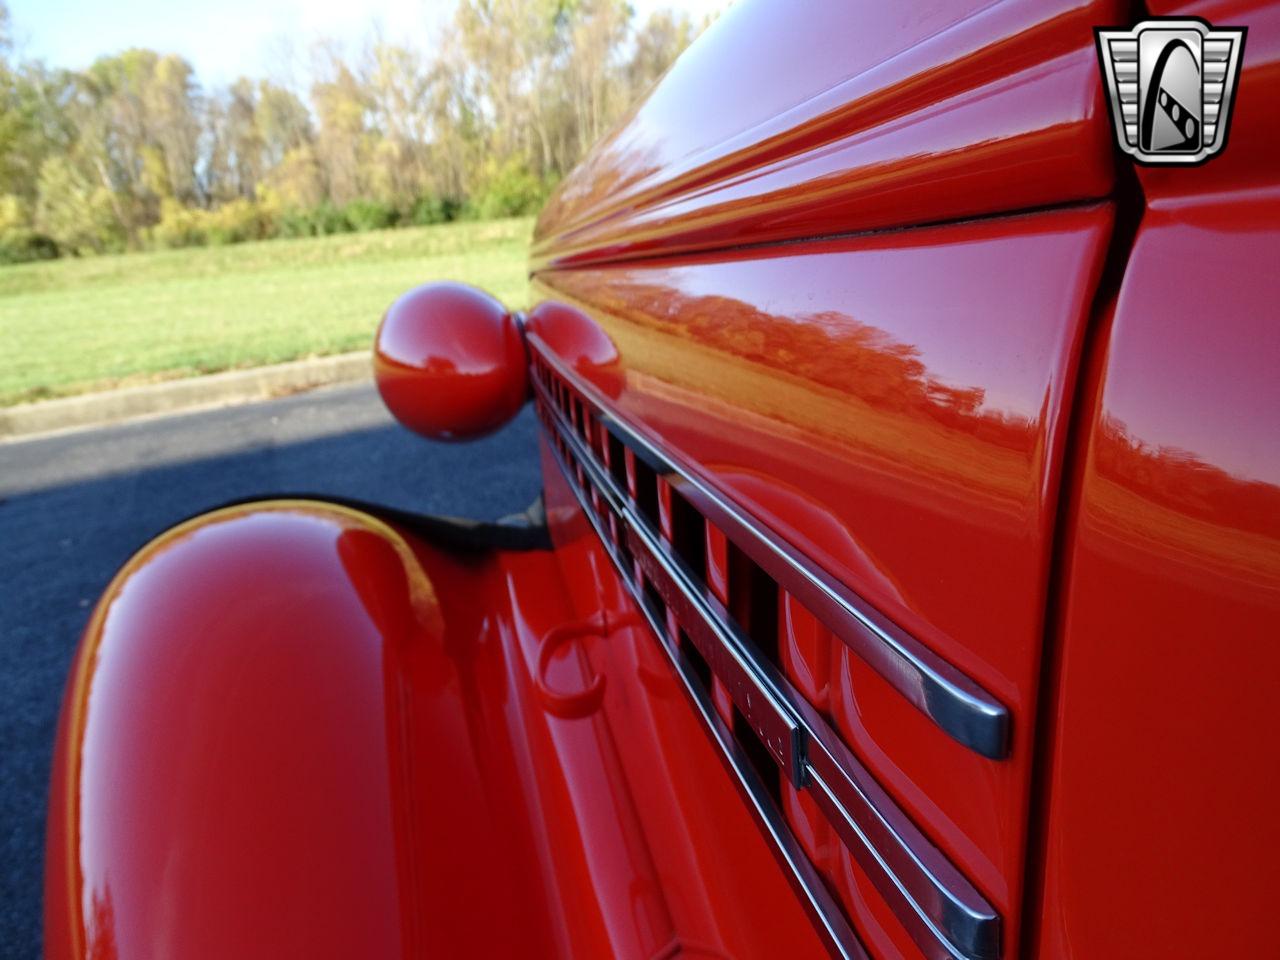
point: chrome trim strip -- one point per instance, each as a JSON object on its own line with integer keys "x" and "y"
{"x": 817, "y": 900}
{"x": 945, "y": 914}
{"x": 959, "y": 706}
{"x": 776, "y": 726}
{"x": 937, "y": 905}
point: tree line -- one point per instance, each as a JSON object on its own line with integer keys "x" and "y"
{"x": 132, "y": 153}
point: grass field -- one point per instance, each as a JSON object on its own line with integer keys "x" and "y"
{"x": 70, "y": 326}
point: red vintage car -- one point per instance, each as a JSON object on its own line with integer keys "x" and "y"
{"x": 906, "y": 581}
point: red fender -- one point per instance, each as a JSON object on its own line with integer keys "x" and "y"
{"x": 231, "y": 773}
{"x": 293, "y": 729}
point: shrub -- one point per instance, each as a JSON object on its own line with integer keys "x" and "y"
{"x": 234, "y": 222}
{"x": 18, "y": 242}
{"x": 178, "y": 226}
{"x": 322, "y": 220}
{"x": 327, "y": 218}
{"x": 507, "y": 191}
{"x": 370, "y": 214}
{"x": 430, "y": 210}
{"x": 23, "y": 245}
{"x": 237, "y": 221}
{"x": 294, "y": 222}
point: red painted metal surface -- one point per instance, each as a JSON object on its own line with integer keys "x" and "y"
{"x": 1160, "y": 836}
{"x": 655, "y": 715}
{"x": 851, "y": 116}
{"x": 449, "y": 362}
{"x": 894, "y": 406}
{"x": 295, "y": 731}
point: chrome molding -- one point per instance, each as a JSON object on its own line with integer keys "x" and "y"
{"x": 944, "y": 913}
{"x": 957, "y": 705}
{"x": 816, "y": 898}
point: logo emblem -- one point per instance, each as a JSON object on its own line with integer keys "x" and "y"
{"x": 1171, "y": 84}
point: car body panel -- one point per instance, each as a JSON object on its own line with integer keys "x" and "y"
{"x": 1164, "y": 771}
{"x": 866, "y": 276}
{"x": 893, "y": 406}
{"x": 370, "y": 758}
{"x": 788, "y": 120}
{"x": 1160, "y": 835}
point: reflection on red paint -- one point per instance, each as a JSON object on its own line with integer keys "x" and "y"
{"x": 854, "y": 115}
{"x": 354, "y": 760}
{"x": 893, "y": 405}
{"x": 100, "y": 926}
{"x": 449, "y": 362}
{"x": 1161, "y": 835}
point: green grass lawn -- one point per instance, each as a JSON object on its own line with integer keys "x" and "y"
{"x": 69, "y": 326}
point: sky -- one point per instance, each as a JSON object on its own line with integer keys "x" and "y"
{"x": 224, "y": 39}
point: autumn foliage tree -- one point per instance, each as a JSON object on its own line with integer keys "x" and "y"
{"x": 481, "y": 122}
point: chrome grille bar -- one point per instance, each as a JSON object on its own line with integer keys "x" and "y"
{"x": 946, "y": 916}
{"x": 808, "y": 884}
{"x": 957, "y": 705}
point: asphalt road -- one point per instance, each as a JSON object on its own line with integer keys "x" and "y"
{"x": 74, "y": 507}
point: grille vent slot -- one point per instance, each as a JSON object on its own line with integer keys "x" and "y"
{"x": 722, "y": 616}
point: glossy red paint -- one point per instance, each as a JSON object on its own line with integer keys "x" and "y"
{"x": 450, "y": 362}
{"x": 655, "y": 723}
{"x": 418, "y": 753}
{"x": 853, "y": 115}
{"x": 582, "y": 343}
{"x": 293, "y": 730}
{"x": 907, "y": 435}
{"x": 1161, "y": 834}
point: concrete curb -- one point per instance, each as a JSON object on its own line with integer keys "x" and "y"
{"x": 172, "y": 396}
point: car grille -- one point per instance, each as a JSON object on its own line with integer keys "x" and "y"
{"x": 717, "y": 591}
